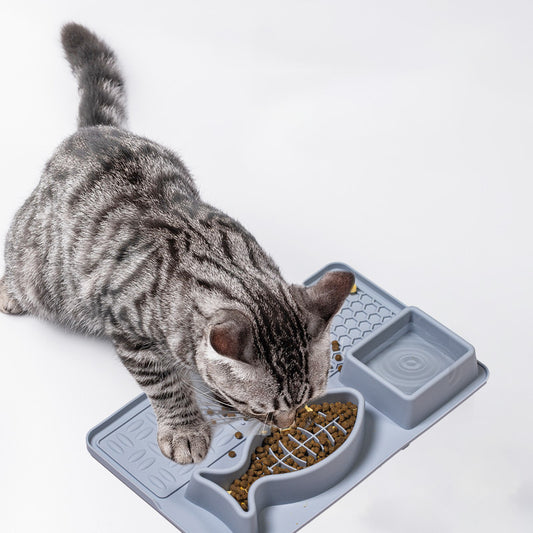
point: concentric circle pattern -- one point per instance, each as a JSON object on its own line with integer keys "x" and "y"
{"x": 409, "y": 362}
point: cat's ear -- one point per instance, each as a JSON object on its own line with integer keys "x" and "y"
{"x": 326, "y": 296}
{"x": 230, "y": 335}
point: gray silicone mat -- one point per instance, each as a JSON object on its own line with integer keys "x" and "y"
{"x": 126, "y": 444}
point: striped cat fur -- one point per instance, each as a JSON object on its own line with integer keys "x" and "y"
{"x": 115, "y": 241}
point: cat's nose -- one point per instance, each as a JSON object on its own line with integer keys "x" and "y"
{"x": 284, "y": 419}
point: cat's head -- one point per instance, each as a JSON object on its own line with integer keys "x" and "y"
{"x": 270, "y": 357}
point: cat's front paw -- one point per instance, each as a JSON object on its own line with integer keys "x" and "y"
{"x": 184, "y": 444}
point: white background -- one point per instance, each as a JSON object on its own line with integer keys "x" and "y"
{"x": 394, "y": 136}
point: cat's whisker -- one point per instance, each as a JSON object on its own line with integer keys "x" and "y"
{"x": 220, "y": 422}
{"x": 207, "y": 396}
{"x": 197, "y": 379}
{"x": 210, "y": 397}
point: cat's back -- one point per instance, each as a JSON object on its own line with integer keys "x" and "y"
{"x": 89, "y": 209}
{"x": 98, "y": 181}
{"x": 96, "y": 163}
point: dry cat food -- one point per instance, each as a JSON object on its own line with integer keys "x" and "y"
{"x": 335, "y": 346}
{"x": 317, "y": 432}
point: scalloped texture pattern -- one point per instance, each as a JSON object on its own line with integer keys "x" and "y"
{"x": 361, "y": 315}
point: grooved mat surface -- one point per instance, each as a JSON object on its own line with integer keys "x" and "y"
{"x": 134, "y": 446}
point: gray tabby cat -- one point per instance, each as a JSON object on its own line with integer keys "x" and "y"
{"x": 116, "y": 241}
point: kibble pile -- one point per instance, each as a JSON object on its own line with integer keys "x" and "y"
{"x": 318, "y": 431}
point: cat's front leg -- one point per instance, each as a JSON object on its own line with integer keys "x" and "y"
{"x": 183, "y": 434}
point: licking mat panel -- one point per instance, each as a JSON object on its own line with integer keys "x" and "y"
{"x": 134, "y": 445}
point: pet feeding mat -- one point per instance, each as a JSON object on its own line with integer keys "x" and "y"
{"x": 403, "y": 369}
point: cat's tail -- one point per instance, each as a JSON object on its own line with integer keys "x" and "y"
{"x": 100, "y": 83}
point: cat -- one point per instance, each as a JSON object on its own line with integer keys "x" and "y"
{"x": 115, "y": 241}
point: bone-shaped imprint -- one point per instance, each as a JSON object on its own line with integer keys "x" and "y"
{"x": 208, "y": 487}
